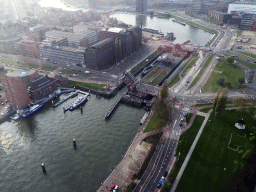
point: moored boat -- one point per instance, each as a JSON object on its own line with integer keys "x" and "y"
{"x": 78, "y": 103}
{"x": 32, "y": 110}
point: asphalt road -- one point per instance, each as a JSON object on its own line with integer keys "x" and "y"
{"x": 164, "y": 152}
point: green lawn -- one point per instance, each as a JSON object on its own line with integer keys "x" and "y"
{"x": 238, "y": 33}
{"x": 93, "y": 86}
{"x": 156, "y": 120}
{"x": 160, "y": 76}
{"x": 201, "y": 71}
{"x": 253, "y": 66}
{"x": 190, "y": 65}
{"x": 230, "y": 72}
{"x": 145, "y": 62}
{"x": 206, "y": 109}
{"x": 152, "y": 73}
{"x": 8, "y": 61}
{"x": 185, "y": 142}
{"x": 189, "y": 115}
{"x": 247, "y": 54}
{"x": 218, "y": 154}
{"x": 48, "y": 68}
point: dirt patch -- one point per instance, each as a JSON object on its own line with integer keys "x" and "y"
{"x": 139, "y": 155}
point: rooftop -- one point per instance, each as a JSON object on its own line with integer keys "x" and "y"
{"x": 116, "y": 30}
{"x": 65, "y": 34}
{"x": 65, "y": 48}
{"x": 102, "y": 43}
{"x": 40, "y": 83}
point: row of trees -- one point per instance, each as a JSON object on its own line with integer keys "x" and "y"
{"x": 220, "y": 101}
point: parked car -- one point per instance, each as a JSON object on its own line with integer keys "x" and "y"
{"x": 180, "y": 124}
{"x": 115, "y": 189}
{"x": 112, "y": 187}
{"x": 133, "y": 175}
{"x": 159, "y": 185}
{"x": 165, "y": 173}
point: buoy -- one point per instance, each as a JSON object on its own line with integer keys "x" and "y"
{"x": 74, "y": 142}
{"x": 43, "y": 167}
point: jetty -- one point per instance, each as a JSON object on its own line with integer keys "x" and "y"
{"x": 112, "y": 109}
{"x": 65, "y": 99}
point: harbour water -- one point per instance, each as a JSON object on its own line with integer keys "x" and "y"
{"x": 47, "y": 136}
{"x": 181, "y": 32}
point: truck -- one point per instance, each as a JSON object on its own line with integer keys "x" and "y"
{"x": 253, "y": 47}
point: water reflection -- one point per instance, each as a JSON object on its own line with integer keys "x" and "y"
{"x": 141, "y": 20}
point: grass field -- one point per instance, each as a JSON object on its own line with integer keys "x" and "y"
{"x": 238, "y": 33}
{"x": 93, "y": 86}
{"x": 156, "y": 120}
{"x": 8, "y": 61}
{"x": 201, "y": 71}
{"x": 190, "y": 65}
{"x": 160, "y": 76}
{"x": 188, "y": 117}
{"x": 230, "y": 72}
{"x": 185, "y": 142}
{"x": 206, "y": 109}
{"x": 247, "y": 54}
{"x": 152, "y": 73}
{"x": 253, "y": 66}
{"x": 218, "y": 154}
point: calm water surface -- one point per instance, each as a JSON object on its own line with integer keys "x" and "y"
{"x": 181, "y": 32}
{"x": 47, "y": 137}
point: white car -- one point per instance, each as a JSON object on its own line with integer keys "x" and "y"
{"x": 115, "y": 189}
{"x": 74, "y": 75}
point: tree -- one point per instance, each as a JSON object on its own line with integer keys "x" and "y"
{"x": 221, "y": 81}
{"x": 230, "y": 60}
{"x": 116, "y": 49}
{"x": 241, "y": 80}
{"x": 214, "y": 103}
{"x": 228, "y": 84}
{"x": 120, "y": 50}
{"x": 164, "y": 91}
{"x": 222, "y": 102}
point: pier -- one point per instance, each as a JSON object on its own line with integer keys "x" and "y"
{"x": 112, "y": 109}
{"x": 65, "y": 99}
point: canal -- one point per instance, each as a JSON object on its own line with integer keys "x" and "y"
{"x": 47, "y": 137}
{"x": 181, "y": 32}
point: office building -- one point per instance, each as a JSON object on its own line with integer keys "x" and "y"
{"x": 74, "y": 40}
{"x": 54, "y": 51}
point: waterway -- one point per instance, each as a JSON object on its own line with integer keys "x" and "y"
{"x": 46, "y": 137}
{"x": 181, "y": 32}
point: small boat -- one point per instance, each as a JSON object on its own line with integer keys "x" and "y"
{"x": 32, "y": 110}
{"x": 15, "y": 117}
{"x": 77, "y": 103}
{"x": 146, "y": 70}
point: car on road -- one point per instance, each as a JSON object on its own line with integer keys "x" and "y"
{"x": 115, "y": 189}
{"x": 182, "y": 119}
{"x": 254, "y": 62}
{"x": 133, "y": 175}
{"x": 87, "y": 72}
{"x": 187, "y": 81}
{"x": 159, "y": 185}
{"x": 165, "y": 174}
{"x": 194, "y": 64}
{"x": 112, "y": 187}
{"x": 68, "y": 65}
{"x": 248, "y": 60}
{"x": 74, "y": 75}
{"x": 180, "y": 124}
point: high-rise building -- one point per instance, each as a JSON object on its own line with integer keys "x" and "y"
{"x": 141, "y": 6}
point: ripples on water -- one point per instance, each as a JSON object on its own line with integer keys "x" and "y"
{"x": 47, "y": 137}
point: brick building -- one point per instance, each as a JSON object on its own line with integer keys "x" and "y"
{"x": 15, "y": 86}
{"x": 41, "y": 88}
{"x": 222, "y": 17}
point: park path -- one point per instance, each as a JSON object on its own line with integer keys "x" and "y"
{"x": 206, "y": 115}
